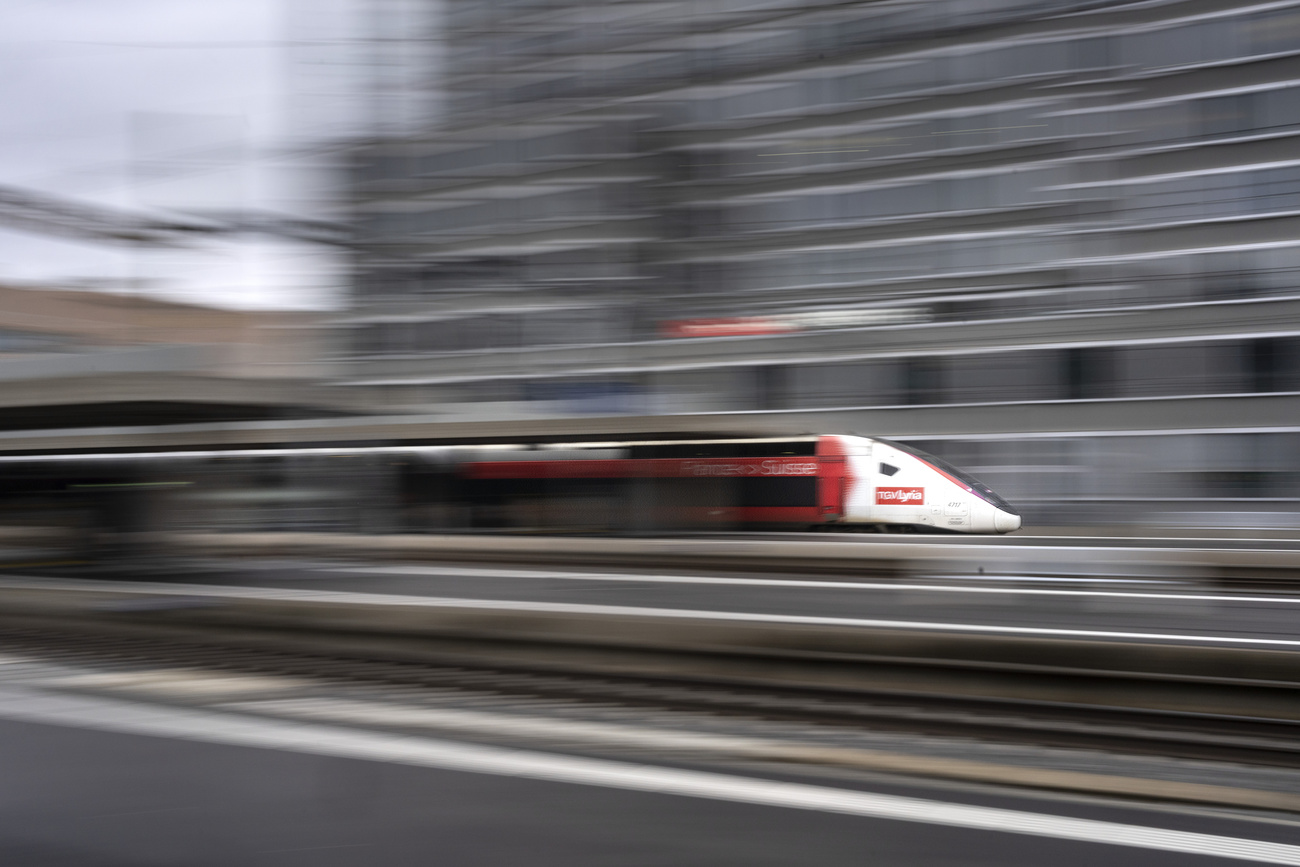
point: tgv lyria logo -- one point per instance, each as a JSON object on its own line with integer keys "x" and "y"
{"x": 899, "y": 496}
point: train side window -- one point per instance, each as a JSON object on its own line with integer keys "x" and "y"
{"x": 785, "y": 449}
{"x": 693, "y": 450}
{"x": 888, "y": 469}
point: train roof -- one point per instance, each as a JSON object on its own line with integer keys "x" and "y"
{"x": 351, "y": 450}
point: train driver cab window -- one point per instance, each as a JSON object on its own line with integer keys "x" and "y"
{"x": 887, "y": 469}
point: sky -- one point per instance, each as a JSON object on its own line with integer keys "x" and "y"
{"x": 162, "y": 105}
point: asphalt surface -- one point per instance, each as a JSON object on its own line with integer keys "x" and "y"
{"x": 72, "y": 797}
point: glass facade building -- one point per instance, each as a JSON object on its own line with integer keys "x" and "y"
{"x": 1055, "y": 241}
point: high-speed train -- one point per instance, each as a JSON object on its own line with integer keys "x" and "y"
{"x": 813, "y": 482}
{"x": 826, "y": 482}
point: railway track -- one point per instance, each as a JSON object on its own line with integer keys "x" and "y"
{"x": 422, "y": 671}
{"x": 1236, "y": 563}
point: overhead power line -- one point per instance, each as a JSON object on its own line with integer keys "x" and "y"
{"x": 46, "y": 214}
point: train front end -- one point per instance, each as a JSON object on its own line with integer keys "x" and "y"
{"x": 896, "y": 487}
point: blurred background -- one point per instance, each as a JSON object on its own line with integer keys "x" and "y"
{"x": 414, "y": 365}
{"x": 1056, "y": 242}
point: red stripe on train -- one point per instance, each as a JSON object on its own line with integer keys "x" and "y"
{"x": 694, "y": 468}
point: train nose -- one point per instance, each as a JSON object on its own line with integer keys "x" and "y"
{"x": 1005, "y": 522}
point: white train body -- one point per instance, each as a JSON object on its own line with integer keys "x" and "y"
{"x": 892, "y": 485}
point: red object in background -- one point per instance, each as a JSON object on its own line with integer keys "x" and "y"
{"x": 900, "y": 496}
{"x": 736, "y": 325}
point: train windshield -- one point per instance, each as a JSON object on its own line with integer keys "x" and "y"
{"x": 976, "y": 486}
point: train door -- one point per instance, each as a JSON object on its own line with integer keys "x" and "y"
{"x": 859, "y": 481}
{"x": 832, "y": 481}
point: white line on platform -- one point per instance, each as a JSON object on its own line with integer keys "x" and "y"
{"x": 485, "y": 572}
{"x": 228, "y": 729}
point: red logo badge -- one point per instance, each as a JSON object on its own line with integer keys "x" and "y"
{"x": 899, "y": 496}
